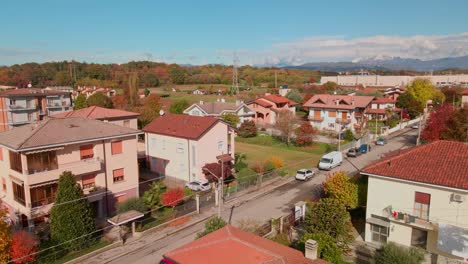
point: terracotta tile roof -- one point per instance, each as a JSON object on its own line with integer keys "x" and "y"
{"x": 277, "y": 99}
{"x": 31, "y": 92}
{"x": 96, "y": 112}
{"x": 183, "y": 126}
{"x": 465, "y": 92}
{"x": 261, "y": 102}
{"x": 383, "y": 100}
{"x": 443, "y": 163}
{"x": 230, "y": 245}
{"x": 217, "y": 108}
{"x": 59, "y": 131}
{"x": 345, "y": 101}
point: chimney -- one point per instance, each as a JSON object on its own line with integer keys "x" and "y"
{"x": 161, "y": 112}
{"x": 311, "y": 249}
{"x": 201, "y": 102}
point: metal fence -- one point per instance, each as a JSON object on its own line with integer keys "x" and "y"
{"x": 234, "y": 189}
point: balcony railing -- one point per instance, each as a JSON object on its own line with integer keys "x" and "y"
{"x": 22, "y": 107}
{"x": 343, "y": 120}
{"x": 314, "y": 118}
{"x": 408, "y": 219}
{"x": 58, "y": 104}
{"x": 77, "y": 168}
{"x": 42, "y": 202}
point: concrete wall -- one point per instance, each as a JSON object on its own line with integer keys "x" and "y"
{"x": 386, "y": 192}
{"x": 377, "y": 80}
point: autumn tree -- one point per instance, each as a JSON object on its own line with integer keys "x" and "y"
{"x": 179, "y": 106}
{"x": 286, "y": 123}
{"x": 5, "y": 236}
{"x": 24, "y": 247}
{"x": 231, "y": 119}
{"x": 71, "y": 220}
{"x": 99, "y": 99}
{"x": 305, "y": 134}
{"x": 340, "y": 187}
{"x": 330, "y": 86}
{"x": 172, "y": 197}
{"x": 437, "y": 123}
{"x": 410, "y": 105}
{"x": 149, "y": 111}
{"x": 456, "y": 126}
{"x": 212, "y": 225}
{"x": 247, "y": 129}
{"x": 80, "y": 102}
{"x": 295, "y": 96}
{"x": 120, "y": 102}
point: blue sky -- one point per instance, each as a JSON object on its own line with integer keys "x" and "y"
{"x": 260, "y": 32}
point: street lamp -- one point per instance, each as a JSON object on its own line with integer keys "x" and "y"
{"x": 220, "y": 186}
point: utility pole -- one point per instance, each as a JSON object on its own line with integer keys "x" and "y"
{"x": 235, "y": 77}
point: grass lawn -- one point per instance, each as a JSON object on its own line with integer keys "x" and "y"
{"x": 262, "y": 148}
{"x": 72, "y": 255}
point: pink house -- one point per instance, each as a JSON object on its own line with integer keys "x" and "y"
{"x": 102, "y": 156}
{"x": 266, "y": 108}
{"x": 179, "y": 146}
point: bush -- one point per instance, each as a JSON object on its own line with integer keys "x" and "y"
{"x": 305, "y": 134}
{"x": 246, "y": 175}
{"x": 247, "y": 129}
{"x": 172, "y": 197}
{"x": 178, "y": 107}
{"x": 268, "y": 166}
{"x": 327, "y": 248}
{"x": 132, "y": 203}
{"x": 277, "y": 162}
{"x": 348, "y": 135}
{"x": 394, "y": 254}
{"x": 212, "y": 225}
{"x": 187, "y": 192}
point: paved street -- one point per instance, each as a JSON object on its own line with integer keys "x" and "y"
{"x": 272, "y": 205}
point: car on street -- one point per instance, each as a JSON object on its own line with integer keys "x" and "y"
{"x": 364, "y": 148}
{"x": 353, "y": 152}
{"x": 330, "y": 160}
{"x": 415, "y": 126}
{"x": 304, "y": 174}
{"x": 198, "y": 185}
{"x": 381, "y": 141}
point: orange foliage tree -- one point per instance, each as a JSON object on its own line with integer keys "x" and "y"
{"x": 172, "y": 197}
{"x": 23, "y": 247}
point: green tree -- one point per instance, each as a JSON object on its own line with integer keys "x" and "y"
{"x": 80, "y": 102}
{"x": 131, "y": 92}
{"x": 295, "y": 96}
{"x": 239, "y": 161}
{"x": 178, "y": 75}
{"x": 394, "y": 254}
{"x": 348, "y": 135}
{"x": 330, "y": 86}
{"x": 327, "y": 248}
{"x": 212, "y": 225}
{"x": 152, "y": 196}
{"x": 71, "y": 217}
{"x": 231, "y": 119}
{"x": 5, "y": 235}
{"x": 410, "y": 104}
{"x": 340, "y": 187}
{"x": 178, "y": 107}
{"x": 421, "y": 90}
{"x": 149, "y": 111}
{"x": 99, "y": 99}
{"x": 133, "y": 203}
{"x": 329, "y": 216}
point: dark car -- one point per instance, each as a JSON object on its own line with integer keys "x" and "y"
{"x": 353, "y": 152}
{"x": 381, "y": 141}
{"x": 166, "y": 261}
{"x": 364, "y": 148}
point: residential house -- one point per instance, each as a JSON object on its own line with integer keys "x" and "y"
{"x": 464, "y": 97}
{"x": 102, "y": 156}
{"x": 88, "y": 91}
{"x": 335, "y": 112}
{"x": 67, "y": 89}
{"x": 231, "y": 245}
{"x": 113, "y": 116}
{"x": 218, "y": 109}
{"x": 380, "y": 106}
{"x": 28, "y": 105}
{"x": 199, "y": 92}
{"x": 419, "y": 197}
{"x": 394, "y": 92}
{"x": 268, "y": 107}
{"x": 179, "y": 146}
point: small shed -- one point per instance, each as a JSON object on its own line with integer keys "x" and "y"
{"x": 124, "y": 218}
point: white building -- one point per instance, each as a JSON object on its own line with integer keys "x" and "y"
{"x": 419, "y": 197}
{"x": 218, "y": 109}
{"x": 394, "y": 80}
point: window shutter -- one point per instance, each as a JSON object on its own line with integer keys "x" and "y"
{"x": 118, "y": 172}
{"x": 423, "y": 198}
{"x": 332, "y": 113}
{"x": 88, "y": 179}
{"x": 344, "y": 115}
{"x": 317, "y": 113}
{"x": 86, "y": 151}
{"x": 116, "y": 147}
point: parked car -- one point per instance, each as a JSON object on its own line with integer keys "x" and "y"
{"x": 330, "y": 160}
{"x": 381, "y": 141}
{"x": 304, "y": 174}
{"x": 415, "y": 126}
{"x": 198, "y": 185}
{"x": 353, "y": 152}
{"x": 364, "y": 148}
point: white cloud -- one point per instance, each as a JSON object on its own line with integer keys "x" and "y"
{"x": 340, "y": 48}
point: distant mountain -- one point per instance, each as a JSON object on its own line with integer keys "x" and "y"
{"x": 388, "y": 63}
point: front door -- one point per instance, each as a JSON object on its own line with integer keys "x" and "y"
{"x": 419, "y": 238}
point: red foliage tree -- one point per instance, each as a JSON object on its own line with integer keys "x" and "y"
{"x": 437, "y": 123}
{"x": 305, "y": 134}
{"x": 216, "y": 169}
{"x": 172, "y": 197}
{"x": 23, "y": 247}
{"x": 120, "y": 102}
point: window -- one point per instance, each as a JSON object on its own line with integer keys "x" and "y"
{"x": 379, "y": 233}
{"x": 118, "y": 175}
{"x": 86, "y": 152}
{"x": 422, "y": 203}
{"x": 12, "y": 102}
{"x": 18, "y": 193}
{"x": 194, "y": 157}
{"x": 4, "y": 185}
{"x": 317, "y": 114}
{"x": 220, "y": 145}
{"x": 126, "y": 123}
{"x": 43, "y": 195}
{"x": 180, "y": 148}
{"x": 116, "y": 147}
{"x": 15, "y": 162}
{"x": 43, "y": 161}
{"x": 88, "y": 181}
{"x": 331, "y": 113}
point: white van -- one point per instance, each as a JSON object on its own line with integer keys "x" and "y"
{"x": 330, "y": 160}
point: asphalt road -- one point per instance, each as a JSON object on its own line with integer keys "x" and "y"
{"x": 272, "y": 205}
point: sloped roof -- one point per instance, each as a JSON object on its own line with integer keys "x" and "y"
{"x": 216, "y": 108}
{"x": 465, "y": 92}
{"x": 261, "y": 102}
{"x": 443, "y": 163}
{"x": 31, "y": 92}
{"x": 183, "y": 126}
{"x": 230, "y": 245}
{"x": 61, "y": 131}
{"x": 96, "y": 112}
{"x": 277, "y": 99}
{"x": 345, "y": 101}
{"x": 383, "y": 100}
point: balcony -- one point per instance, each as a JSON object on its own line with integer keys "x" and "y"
{"x": 28, "y": 107}
{"x": 343, "y": 120}
{"x": 315, "y": 118}
{"x": 57, "y": 104}
{"x": 408, "y": 219}
{"x": 77, "y": 168}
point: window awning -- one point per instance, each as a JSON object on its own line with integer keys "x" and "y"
{"x": 376, "y": 221}
{"x": 43, "y": 184}
{"x": 43, "y": 150}
{"x": 16, "y": 180}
